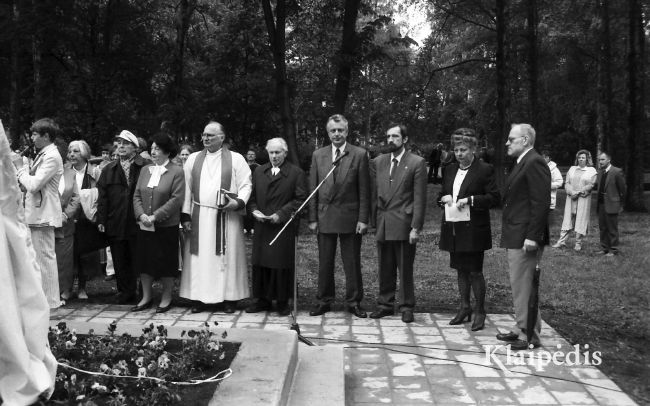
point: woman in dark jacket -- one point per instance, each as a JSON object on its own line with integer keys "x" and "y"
{"x": 279, "y": 188}
{"x": 157, "y": 202}
{"x": 467, "y": 185}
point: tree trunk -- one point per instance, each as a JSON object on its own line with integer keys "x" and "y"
{"x": 533, "y": 66}
{"x": 184, "y": 13}
{"x": 635, "y": 138}
{"x": 347, "y": 55}
{"x": 15, "y": 99}
{"x": 604, "y": 106}
{"x": 37, "y": 63}
{"x": 276, "y": 30}
{"x": 502, "y": 95}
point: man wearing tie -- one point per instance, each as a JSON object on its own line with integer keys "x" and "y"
{"x": 340, "y": 210}
{"x": 611, "y": 192}
{"x": 399, "y": 193}
{"x": 526, "y": 204}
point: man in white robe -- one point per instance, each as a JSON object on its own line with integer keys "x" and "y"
{"x": 215, "y": 268}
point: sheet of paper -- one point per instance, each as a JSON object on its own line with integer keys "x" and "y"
{"x": 152, "y": 228}
{"x": 454, "y": 214}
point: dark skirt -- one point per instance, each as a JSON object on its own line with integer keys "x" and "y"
{"x": 270, "y": 284}
{"x": 157, "y": 254}
{"x": 467, "y": 261}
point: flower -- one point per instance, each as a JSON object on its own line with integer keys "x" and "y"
{"x": 69, "y": 345}
{"x": 139, "y": 361}
{"x": 104, "y": 367}
{"x": 142, "y": 372}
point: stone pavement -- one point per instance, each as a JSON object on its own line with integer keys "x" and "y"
{"x": 426, "y": 362}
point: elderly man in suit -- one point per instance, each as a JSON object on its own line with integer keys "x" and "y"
{"x": 340, "y": 210}
{"x": 611, "y": 192}
{"x": 43, "y": 203}
{"x": 526, "y": 204}
{"x": 399, "y": 189}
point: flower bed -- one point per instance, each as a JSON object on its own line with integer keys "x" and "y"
{"x": 146, "y": 370}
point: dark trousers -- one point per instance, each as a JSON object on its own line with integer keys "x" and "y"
{"x": 433, "y": 172}
{"x": 608, "y": 224}
{"x": 124, "y": 254}
{"x": 351, "y": 257}
{"x": 394, "y": 255}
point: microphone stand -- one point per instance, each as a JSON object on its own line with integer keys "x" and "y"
{"x": 294, "y": 325}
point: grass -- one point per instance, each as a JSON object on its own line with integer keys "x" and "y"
{"x": 589, "y": 299}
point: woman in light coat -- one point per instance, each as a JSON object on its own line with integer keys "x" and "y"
{"x": 580, "y": 179}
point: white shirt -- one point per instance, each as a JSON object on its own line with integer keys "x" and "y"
{"x": 398, "y": 157}
{"x": 522, "y": 154}
{"x": 458, "y": 181}
{"x": 79, "y": 175}
{"x": 341, "y": 149}
{"x": 275, "y": 170}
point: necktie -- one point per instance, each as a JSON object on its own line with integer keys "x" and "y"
{"x": 337, "y": 154}
{"x": 392, "y": 168}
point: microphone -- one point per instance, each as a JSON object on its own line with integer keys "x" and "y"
{"x": 338, "y": 160}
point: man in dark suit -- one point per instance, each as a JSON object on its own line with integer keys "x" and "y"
{"x": 526, "y": 203}
{"x": 340, "y": 210}
{"x": 399, "y": 193}
{"x": 611, "y": 192}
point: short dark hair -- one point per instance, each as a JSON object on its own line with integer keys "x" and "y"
{"x": 166, "y": 144}
{"x": 46, "y": 126}
{"x": 402, "y": 129}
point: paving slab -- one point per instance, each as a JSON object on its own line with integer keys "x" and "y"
{"x": 388, "y": 362}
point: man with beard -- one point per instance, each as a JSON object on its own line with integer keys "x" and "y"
{"x": 399, "y": 189}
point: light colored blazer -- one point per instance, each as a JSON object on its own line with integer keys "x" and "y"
{"x": 41, "y": 181}
{"x": 165, "y": 200}
{"x": 338, "y": 206}
{"x": 582, "y": 203}
{"x": 400, "y": 207}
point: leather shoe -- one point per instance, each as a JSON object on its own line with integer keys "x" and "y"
{"x": 320, "y": 309}
{"x": 407, "y": 316}
{"x": 138, "y": 308}
{"x": 258, "y": 307}
{"x": 357, "y": 311}
{"x": 161, "y": 309}
{"x": 519, "y": 345}
{"x": 229, "y": 307}
{"x": 199, "y": 307}
{"x": 379, "y": 313}
{"x": 510, "y": 336}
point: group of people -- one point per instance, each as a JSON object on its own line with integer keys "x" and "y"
{"x": 581, "y": 178}
{"x": 139, "y": 207}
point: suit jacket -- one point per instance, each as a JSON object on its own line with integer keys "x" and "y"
{"x": 338, "y": 206}
{"x": 41, "y": 181}
{"x": 70, "y": 204}
{"x": 399, "y": 207}
{"x": 282, "y": 195}
{"x": 476, "y": 234}
{"x": 526, "y": 202}
{"x": 615, "y": 190}
{"x": 165, "y": 200}
{"x": 115, "y": 200}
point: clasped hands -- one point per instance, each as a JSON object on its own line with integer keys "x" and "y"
{"x": 460, "y": 203}
{"x": 259, "y": 216}
{"x": 147, "y": 221}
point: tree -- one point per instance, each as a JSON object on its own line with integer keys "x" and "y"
{"x": 347, "y": 55}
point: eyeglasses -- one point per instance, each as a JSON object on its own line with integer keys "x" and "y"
{"x": 211, "y": 135}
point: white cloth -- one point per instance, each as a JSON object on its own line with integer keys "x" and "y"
{"x": 27, "y": 366}
{"x": 578, "y": 180}
{"x": 61, "y": 185}
{"x": 556, "y": 182}
{"x": 275, "y": 170}
{"x": 208, "y": 277}
{"x": 156, "y": 172}
{"x": 88, "y": 200}
{"x": 341, "y": 150}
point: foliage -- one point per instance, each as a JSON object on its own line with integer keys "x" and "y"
{"x": 119, "y": 356}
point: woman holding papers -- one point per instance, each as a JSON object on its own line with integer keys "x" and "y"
{"x": 468, "y": 192}
{"x": 157, "y": 202}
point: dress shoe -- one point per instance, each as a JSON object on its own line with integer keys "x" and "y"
{"x": 379, "y": 313}
{"x": 610, "y": 254}
{"x": 161, "y": 309}
{"x": 479, "y": 322}
{"x": 284, "y": 309}
{"x": 357, "y": 311}
{"x": 519, "y": 345}
{"x": 82, "y": 295}
{"x": 407, "y": 316}
{"x": 258, "y": 307}
{"x": 320, "y": 309}
{"x": 109, "y": 277}
{"x": 602, "y": 252}
{"x": 139, "y": 308}
{"x": 510, "y": 336}
{"x": 460, "y": 316}
{"x": 199, "y": 307}
{"x": 558, "y": 245}
{"x": 229, "y": 307}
